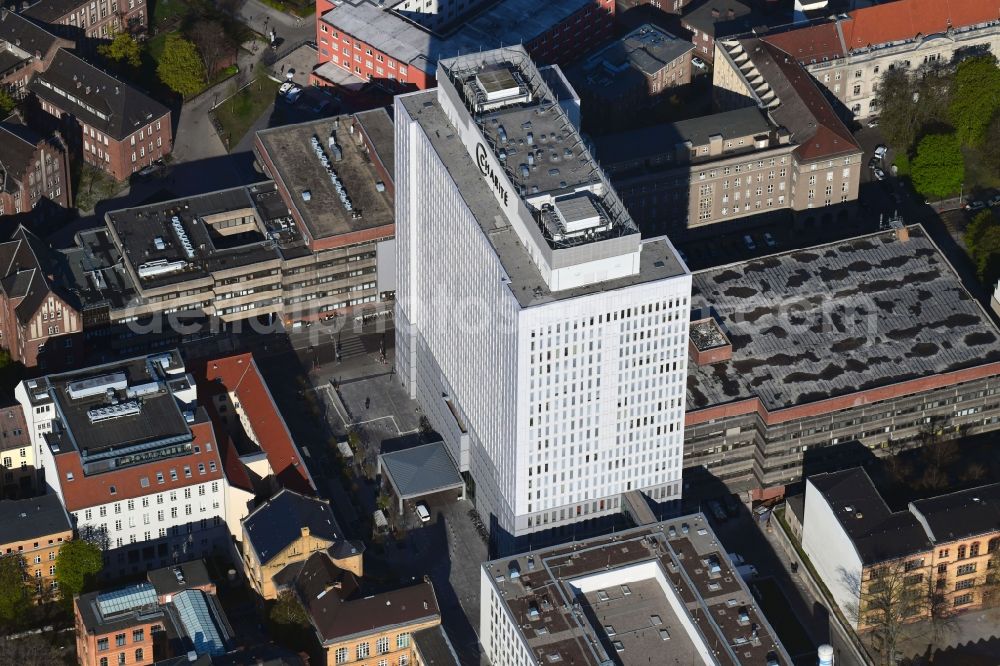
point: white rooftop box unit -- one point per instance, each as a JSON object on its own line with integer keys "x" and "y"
{"x": 577, "y": 213}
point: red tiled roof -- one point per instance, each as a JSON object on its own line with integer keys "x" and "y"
{"x": 239, "y": 375}
{"x": 905, "y": 19}
{"x": 882, "y": 24}
{"x": 88, "y": 491}
{"x": 810, "y": 43}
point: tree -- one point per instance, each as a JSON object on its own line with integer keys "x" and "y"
{"x": 890, "y": 597}
{"x": 15, "y": 593}
{"x": 212, "y": 42}
{"x": 938, "y": 169}
{"x": 287, "y": 610}
{"x": 976, "y": 98}
{"x": 77, "y": 565}
{"x": 991, "y": 584}
{"x": 909, "y": 102}
{"x": 181, "y": 68}
{"x": 7, "y": 102}
{"x": 990, "y": 151}
{"x": 31, "y": 650}
{"x": 123, "y": 48}
{"x": 976, "y": 229}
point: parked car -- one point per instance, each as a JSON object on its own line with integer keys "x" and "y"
{"x": 995, "y": 200}
{"x": 873, "y": 122}
{"x": 423, "y": 512}
{"x": 975, "y": 206}
{"x": 748, "y": 241}
{"x": 732, "y": 505}
{"x": 698, "y": 62}
{"x": 881, "y": 151}
{"x": 873, "y": 163}
{"x": 769, "y": 240}
{"x": 148, "y": 172}
{"x": 879, "y": 173}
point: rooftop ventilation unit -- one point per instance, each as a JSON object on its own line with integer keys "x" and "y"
{"x": 109, "y": 412}
{"x": 499, "y": 86}
{"x": 182, "y": 236}
{"x": 160, "y": 267}
{"x": 92, "y": 386}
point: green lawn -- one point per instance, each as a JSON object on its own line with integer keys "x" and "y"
{"x": 237, "y": 114}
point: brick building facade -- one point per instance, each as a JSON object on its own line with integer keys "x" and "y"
{"x": 34, "y": 171}
{"x": 90, "y": 19}
{"x": 25, "y": 49}
{"x": 109, "y": 124}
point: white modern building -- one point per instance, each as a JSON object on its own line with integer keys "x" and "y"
{"x": 544, "y": 339}
{"x": 133, "y": 459}
{"x": 664, "y": 593}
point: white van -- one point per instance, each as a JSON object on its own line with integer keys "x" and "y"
{"x": 423, "y": 512}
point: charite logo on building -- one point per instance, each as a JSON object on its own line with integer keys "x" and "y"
{"x": 487, "y": 170}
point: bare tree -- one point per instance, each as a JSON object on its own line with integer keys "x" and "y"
{"x": 30, "y": 650}
{"x": 212, "y": 43}
{"x": 890, "y": 598}
{"x": 991, "y": 584}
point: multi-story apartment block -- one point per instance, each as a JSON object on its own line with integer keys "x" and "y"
{"x": 814, "y": 358}
{"x": 25, "y": 49}
{"x": 174, "y": 614}
{"x": 543, "y": 338}
{"x": 38, "y": 322}
{"x": 369, "y": 40}
{"x": 778, "y": 146}
{"x": 95, "y": 20}
{"x": 18, "y": 455}
{"x": 34, "y": 172}
{"x": 35, "y": 528}
{"x": 714, "y": 20}
{"x": 848, "y": 53}
{"x": 133, "y": 457}
{"x": 285, "y": 531}
{"x": 630, "y": 598}
{"x": 110, "y": 124}
{"x": 631, "y": 74}
{"x": 947, "y": 547}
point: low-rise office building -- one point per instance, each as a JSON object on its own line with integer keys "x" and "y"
{"x": 133, "y": 458}
{"x": 777, "y": 145}
{"x": 626, "y": 598}
{"x": 35, "y": 528}
{"x": 709, "y": 21}
{"x": 820, "y": 356}
{"x": 941, "y": 554}
{"x": 175, "y": 613}
{"x": 108, "y": 123}
{"x": 848, "y": 53}
{"x": 631, "y": 74}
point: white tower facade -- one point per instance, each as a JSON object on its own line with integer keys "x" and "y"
{"x": 545, "y": 340}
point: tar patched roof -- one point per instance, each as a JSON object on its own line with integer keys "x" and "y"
{"x": 32, "y": 518}
{"x": 315, "y": 194}
{"x": 49, "y": 11}
{"x": 506, "y": 22}
{"x": 434, "y": 647}
{"x": 183, "y": 576}
{"x": 95, "y": 97}
{"x": 630, "y": 60}
{"x": 878, "y": 534}
{"x": 837, "y": 319}
{"x": 421, "y": 470}
{"x": 271, "y": 527}
{"x": 961, "y": 515}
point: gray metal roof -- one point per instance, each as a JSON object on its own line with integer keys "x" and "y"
{"x": 421, "y": 470}
{"x": 199, "y": 622}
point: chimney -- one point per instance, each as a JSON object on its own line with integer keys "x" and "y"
{"x": 715, "y": 13}
{"x": 731, "y": 14}
{"x": 305, "y": 530}
{"x": 903, "y": 234}
{"x": 88, "y": 90}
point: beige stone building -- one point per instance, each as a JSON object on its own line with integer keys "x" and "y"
{"x": 285, "y": 531}
{"x": 849, "y": 53}
{"x": 776, "y": 145}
